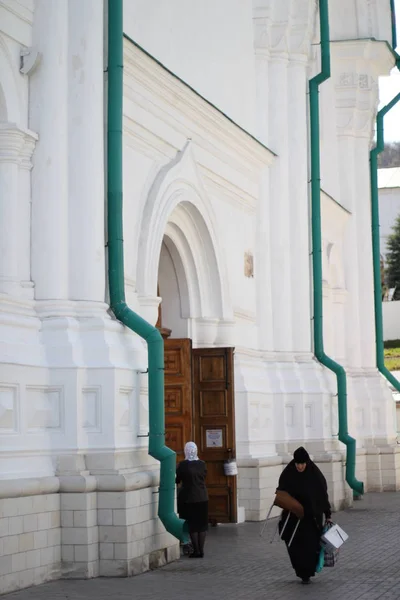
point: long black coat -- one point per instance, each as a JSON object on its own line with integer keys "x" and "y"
{"x": 310, "y": 489}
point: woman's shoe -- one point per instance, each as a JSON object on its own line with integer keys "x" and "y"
{"x": 306, "y": 580}
{"x": 194, "y": 555}
{"x": 201, "y": 555}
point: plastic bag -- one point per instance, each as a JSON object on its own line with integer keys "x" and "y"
{"x": 326, "y": 558}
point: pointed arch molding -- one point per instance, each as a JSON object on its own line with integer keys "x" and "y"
{"x": 178, "y": 207}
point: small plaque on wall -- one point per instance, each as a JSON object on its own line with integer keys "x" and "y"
{"x": 214, "y": 438}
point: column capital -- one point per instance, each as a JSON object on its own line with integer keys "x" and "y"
{"x": 356, "y": 66}
{"x": 17, "y": 145}
{"x": 283, "y": 30}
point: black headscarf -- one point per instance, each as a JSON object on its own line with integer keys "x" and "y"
{"x": 301, "y": 456}
{"x": 308, "y": 487}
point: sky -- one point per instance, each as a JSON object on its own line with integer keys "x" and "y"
{"x": 388, "y": 88}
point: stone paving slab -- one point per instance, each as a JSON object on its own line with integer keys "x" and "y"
{"x": 240, "y": 565}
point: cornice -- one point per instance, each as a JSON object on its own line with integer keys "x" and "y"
{"x": 158, "y": 91}
{"x": 356, "y": 66}
{"x": 21, "y": 11}
{"x": 283, "y": 30}
{"x": 236, "y": 195}
{"x": 375, "y": 55}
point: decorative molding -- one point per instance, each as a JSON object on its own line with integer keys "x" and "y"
{"x": 140, "y": 138}
{"x": 356, "y": 66}
{"x": 18, "y": 488}
{"x": 244, "y": 315}
{"x": 179, "y": 207}
{"x": 23, "y": 11}
{"x": 44, "y": 408}
{"x": 91, "y": 409}
{"x": 152, "y": 87}
{"x": 37, "y": 486}
{"x": 9, "y": 409}
{"x": 234, "y": 194}
{"x": 16, "y": 145}
{"x": 289, "y": 415}
{"x": 284, "y": 30}
{"x": 148, "y": 300}
{"x": 308, "y": 415}
{"x": 125, "y": 406}
{"x": 79, "y": 309}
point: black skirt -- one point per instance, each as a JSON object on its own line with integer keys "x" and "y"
{"x": 196, "y": 515}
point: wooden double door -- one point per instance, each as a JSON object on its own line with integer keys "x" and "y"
{"x": 199, "y": 406}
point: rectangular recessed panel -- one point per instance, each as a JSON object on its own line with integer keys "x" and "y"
{"x": 215, "y": 473}
{"x": 173, "y": 400}
{"x": 218, "y": 506}
{"x": 174, "y": 438}
{"x": 213, "y": 403}
{"x": 8, "y": 409}
{"x": 212, "y": 369}
{"x": 173, "y": 361}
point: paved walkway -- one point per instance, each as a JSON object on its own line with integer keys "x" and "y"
{"x": 240, "y": 565}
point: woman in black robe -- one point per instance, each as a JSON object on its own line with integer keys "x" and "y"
{"x": 303, "y": 480}
{"x": 193, "y": 498}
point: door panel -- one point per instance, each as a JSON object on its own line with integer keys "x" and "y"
{"x": 214, "y": 422}
{"x": 178, "y": 394}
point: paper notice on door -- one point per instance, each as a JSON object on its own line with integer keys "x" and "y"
{"x": 214, "y": 438}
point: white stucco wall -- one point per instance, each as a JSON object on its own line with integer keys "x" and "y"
{"x": 74, "y": 389}
{"x": 391, "y": 320}
{"x": 207, "y": 44}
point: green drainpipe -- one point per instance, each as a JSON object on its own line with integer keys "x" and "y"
{"x": 155, "y": 344}
{"x": 394, "y": 34}
{"x": 376, "y": 252}
{"x": 325, "y": 360}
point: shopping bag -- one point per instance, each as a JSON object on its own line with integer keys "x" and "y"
{"x": 321, "y": 561}
{"x": 334, "y": 538}
{"x": 328, "y": 555}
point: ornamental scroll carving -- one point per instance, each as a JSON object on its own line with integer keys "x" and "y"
{"x": 283, "y": 26}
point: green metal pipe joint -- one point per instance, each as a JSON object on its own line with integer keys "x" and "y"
{"x": 155, "y": 344}
{"x": 329, "y": 363}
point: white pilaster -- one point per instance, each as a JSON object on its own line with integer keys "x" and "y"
{"x": 356, "y": 66}
{"x": 355, "y": 69}
{"x": 86, "y": 151}
{"x": 298, "y": 199}
{"x": 279, "y": 214}
{"x": 48, "y": 116}
{"x": 16, "y": 147}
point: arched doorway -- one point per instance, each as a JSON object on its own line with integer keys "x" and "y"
{"x": 181, "y": 264}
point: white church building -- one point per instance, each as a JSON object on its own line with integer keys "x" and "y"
{"x": 218, "y": 187}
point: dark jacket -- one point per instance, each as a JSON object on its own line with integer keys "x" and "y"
{"x": 192, "y": 475}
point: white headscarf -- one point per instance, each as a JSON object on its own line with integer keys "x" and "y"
{"x": 191, "y": 451}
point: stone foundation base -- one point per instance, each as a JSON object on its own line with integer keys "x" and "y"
{"x": 30, "y": 540}
{"x": 53, "y": 534}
